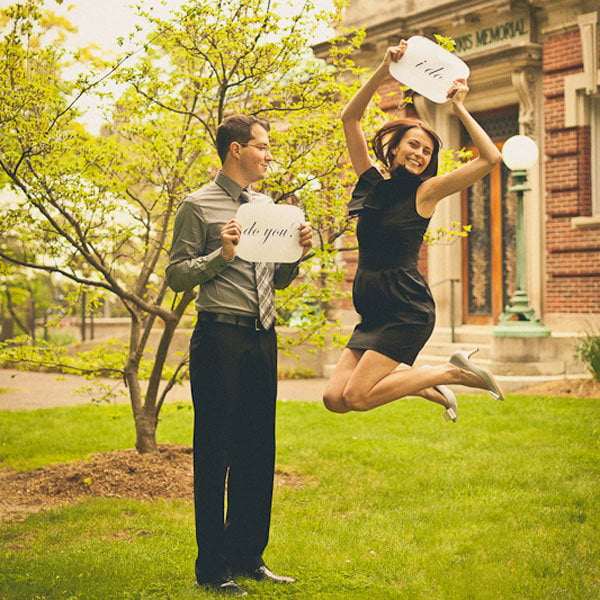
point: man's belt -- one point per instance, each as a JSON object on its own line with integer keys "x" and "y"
{"x": 239, "y": 321}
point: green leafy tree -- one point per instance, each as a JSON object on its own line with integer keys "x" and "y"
{"x": 98, "y": 209}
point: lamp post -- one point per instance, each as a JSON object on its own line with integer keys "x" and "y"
{"x": 519, "y": 319}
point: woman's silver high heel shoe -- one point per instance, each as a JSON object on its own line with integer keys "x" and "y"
{"x": 461, "y": 359}
{"x": 451, "y": 412}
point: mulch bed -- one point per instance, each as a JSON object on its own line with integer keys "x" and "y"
{"x": 167, "y": 473}
{"x": 569, "y": 388}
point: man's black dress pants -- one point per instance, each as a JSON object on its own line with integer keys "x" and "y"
{"x": 233, "y": 372}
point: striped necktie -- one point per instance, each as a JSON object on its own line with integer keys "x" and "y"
{"x": 264, "y": 284}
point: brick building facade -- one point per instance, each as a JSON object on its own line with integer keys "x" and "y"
{"x": 534, "y": 71}
{"x": 572, "y": 228}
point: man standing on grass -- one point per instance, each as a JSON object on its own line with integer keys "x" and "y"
{"x": 233, "y": 361}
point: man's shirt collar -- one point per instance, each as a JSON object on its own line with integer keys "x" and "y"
{"x": 229, "y": 185}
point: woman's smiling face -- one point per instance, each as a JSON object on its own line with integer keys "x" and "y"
{"x": 414, "y": 151}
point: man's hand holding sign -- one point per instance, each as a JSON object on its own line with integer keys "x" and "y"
{"x": 230, "y": 235}
{"x": 267, "y": 233}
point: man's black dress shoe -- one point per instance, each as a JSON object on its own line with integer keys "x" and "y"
{"x": 224, "y": 586}
{"x": 263, "y": 573}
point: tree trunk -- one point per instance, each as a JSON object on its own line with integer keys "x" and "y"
{"x": 145, "y": 423}
{"x": 146, "y": 415}
{"x": 13, "y": 313}
{"x": 146, "y": 407}
{"x": 160, "y": 358}
{"x": 31, "y": 315}
{"x": 145, "y": 433}
{"x": 8, "y": 329}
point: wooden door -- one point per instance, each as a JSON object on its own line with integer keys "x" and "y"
{"x": 489, "y": 251}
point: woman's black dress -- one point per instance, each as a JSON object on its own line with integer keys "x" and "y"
{"x": 389, "y": 293}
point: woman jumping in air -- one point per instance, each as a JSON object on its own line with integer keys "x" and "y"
{"x": 389, "y": 293}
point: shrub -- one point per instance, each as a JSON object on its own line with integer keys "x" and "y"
{"x": 589, "y": 352}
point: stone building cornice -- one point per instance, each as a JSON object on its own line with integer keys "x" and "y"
{"x": 430, "y": 19}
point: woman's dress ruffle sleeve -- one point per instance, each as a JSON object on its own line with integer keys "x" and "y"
{"x": 362, "y": 194}
{"x": 374, "y": 192}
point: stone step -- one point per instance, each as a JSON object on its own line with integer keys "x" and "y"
{"x": 480, "y": 334}
{"x": 549, "y": 368}
{"x": 473, "y": 335}
{"x": 433, "y": 358}
{"x": 443, "y": 350}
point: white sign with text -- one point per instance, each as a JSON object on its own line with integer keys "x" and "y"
{"x": 428, "y": 69}
{"x": 270, "y": 232}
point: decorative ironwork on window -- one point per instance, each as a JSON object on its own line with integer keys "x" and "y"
{"x": 499, "y": 126}
{"x": 479, "y": 259}
{"x": 509, "y": 236}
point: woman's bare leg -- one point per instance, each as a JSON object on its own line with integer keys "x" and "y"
{"x": 431, "y": 393}
{"x": 374, "y": 382}
{"x": 364, "y": 380}
{"x": 334, "y": 390}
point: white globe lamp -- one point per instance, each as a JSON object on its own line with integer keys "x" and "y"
{"x": 519, "y": 153}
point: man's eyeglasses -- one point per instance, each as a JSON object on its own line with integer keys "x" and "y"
{"x": 262, "y": 147}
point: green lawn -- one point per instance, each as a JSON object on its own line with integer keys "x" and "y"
{"x": 398, "y": 504}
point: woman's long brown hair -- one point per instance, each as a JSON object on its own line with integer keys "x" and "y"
{"x": 390, "y": 135}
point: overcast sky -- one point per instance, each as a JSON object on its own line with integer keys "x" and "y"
{"x": 101, "y": 22}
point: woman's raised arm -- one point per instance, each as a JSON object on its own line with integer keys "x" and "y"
{"x": 435, "y": 189}
{"x": 355, "y": 109}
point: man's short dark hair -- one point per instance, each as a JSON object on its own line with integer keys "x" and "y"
{"x": 236, "y": 128}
